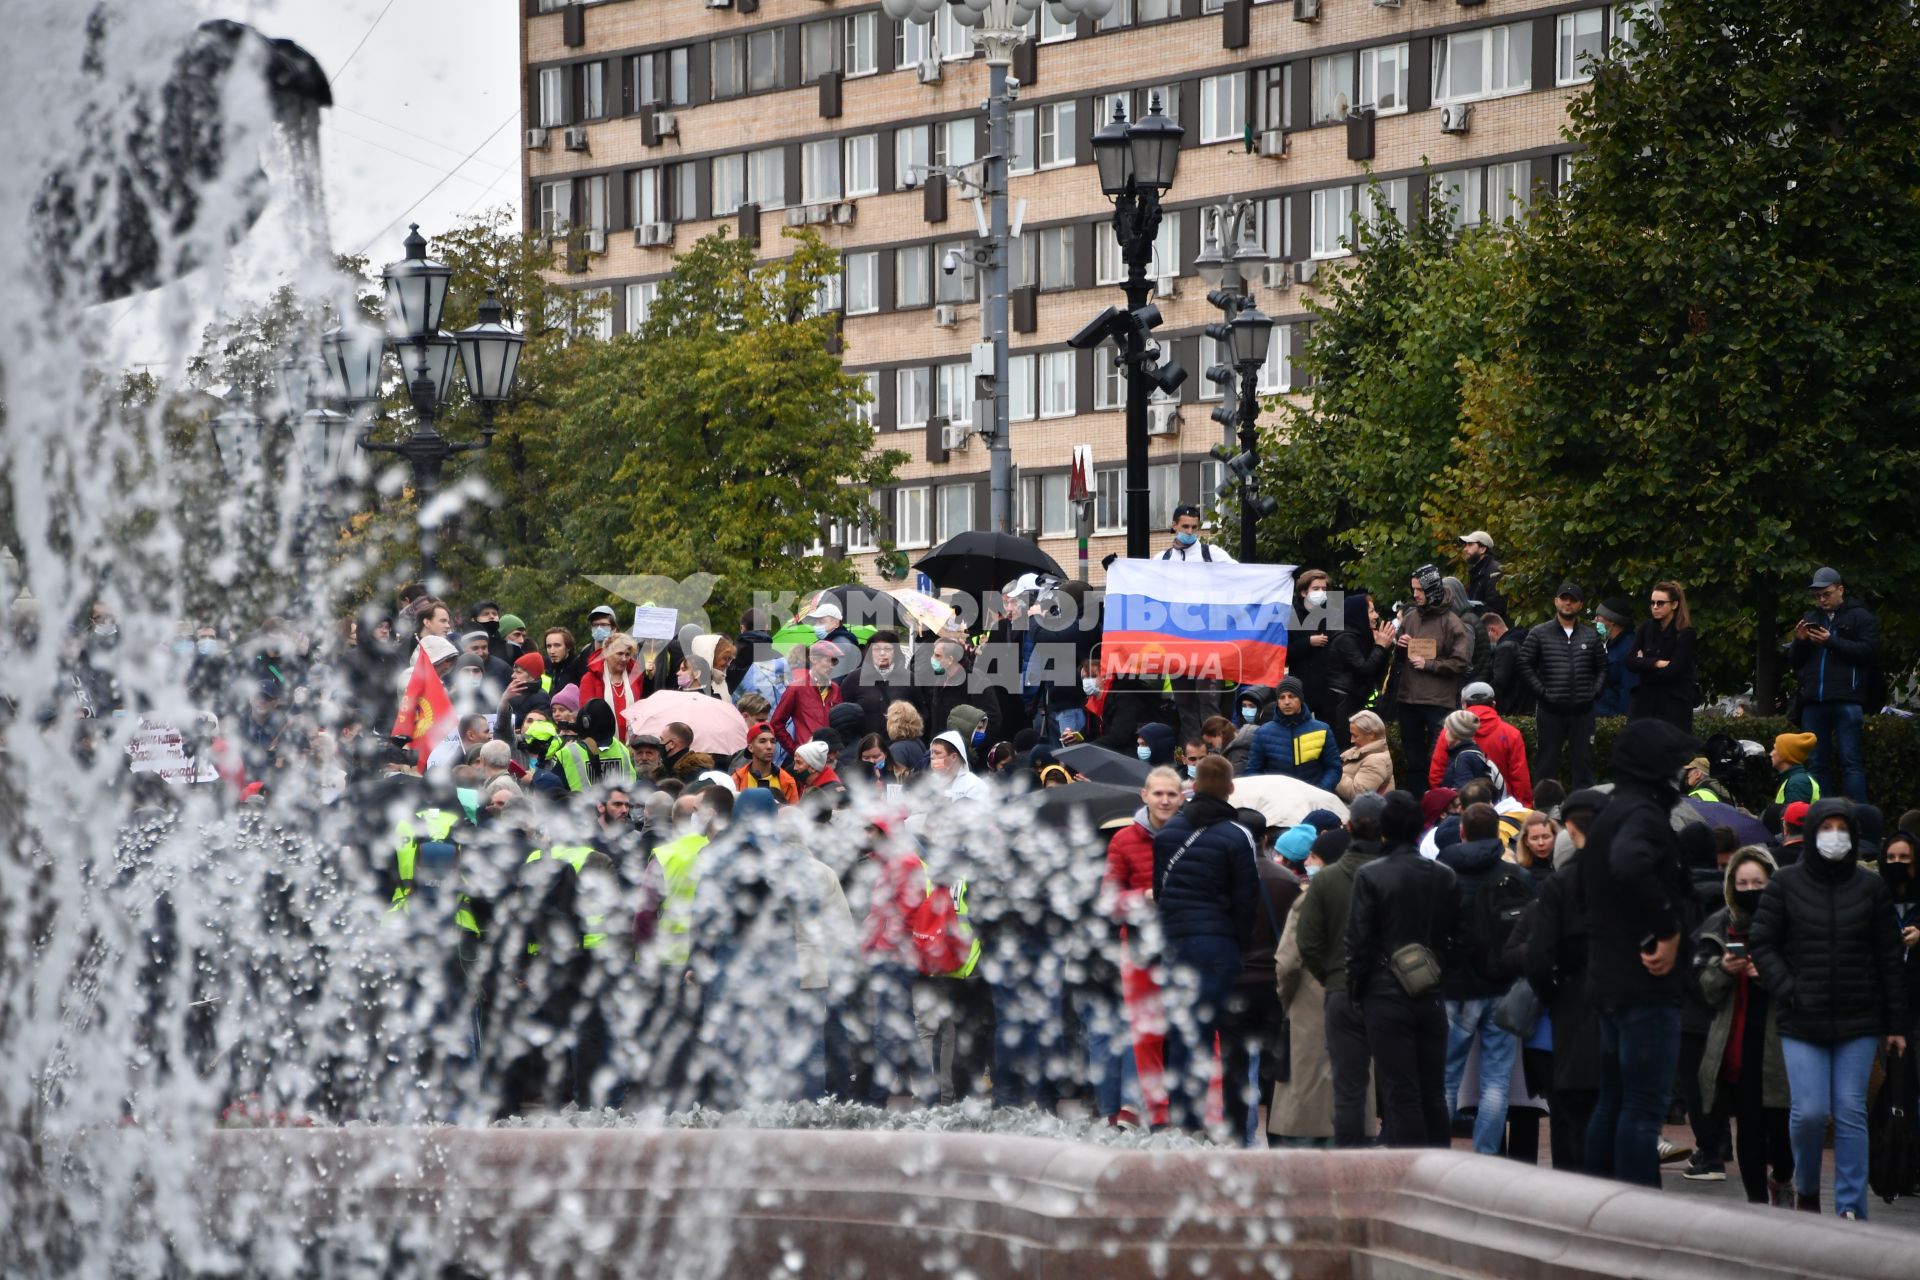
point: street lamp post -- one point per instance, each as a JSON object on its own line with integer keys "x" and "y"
{"x": 1137, "y": 163}
{"x": 1227, "y": 246}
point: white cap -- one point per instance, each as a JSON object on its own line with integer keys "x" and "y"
{"x": 438, "y": 648}
{"x": 720, "y": 779}
{"x": 827, "y": 609}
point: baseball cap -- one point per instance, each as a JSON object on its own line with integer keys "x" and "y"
{"x": 826, "y": 609}
{"x": 1480, "y": 536}
{"x": 603, "y": 610}
{"x": 438, "y": 648}
{"x": 1478, "y": 692}
{"x": 1571, "y": 590}
{"x": 1824, "y": 576}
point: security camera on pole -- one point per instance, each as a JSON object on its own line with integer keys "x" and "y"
{"x": 998, "y": 27}
{"x": 1245, "y": 332}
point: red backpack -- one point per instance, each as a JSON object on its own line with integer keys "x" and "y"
{"x": 944, "y": 944}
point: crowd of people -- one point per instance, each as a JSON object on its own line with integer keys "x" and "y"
{"x": 1471, "y": 938}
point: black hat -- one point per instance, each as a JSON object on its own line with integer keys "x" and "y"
{"x": 1617, "y": 610}
{"x": 1186, "y": 509}
{"x": 1571, "y": 590}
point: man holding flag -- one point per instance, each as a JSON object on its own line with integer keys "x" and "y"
{"x": 426, "y": 713}
{"x": 1227, "y": 621}
{"x": 1196, "y": 697}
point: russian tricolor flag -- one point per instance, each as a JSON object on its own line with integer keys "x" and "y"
{"x": 1197, "y": 621}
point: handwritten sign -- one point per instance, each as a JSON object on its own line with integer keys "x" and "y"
{"x": 653, "y": 623}
{"x": 1426, "y": 648}
{"x": 160, "y": 748}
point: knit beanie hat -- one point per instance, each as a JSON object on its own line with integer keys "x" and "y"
{"x": 1616, "y": 610}
{"x": 532, "y": 663}
{"x": 1296, "y": 843}
{"x": 1794, "y": 748}
{"x": 813, "y": 755}
{"x": 1462, "y": 726}
{"x": 568, "y": 697}
{"x": 1292, "y": 685}
{"x": 510, "y": 623}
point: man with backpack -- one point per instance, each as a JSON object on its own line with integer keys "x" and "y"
{"x": 1489, "y": 895}
{"x": 1465, "y": 760}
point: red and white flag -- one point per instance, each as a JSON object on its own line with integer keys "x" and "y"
{"x": 426, "y": 713}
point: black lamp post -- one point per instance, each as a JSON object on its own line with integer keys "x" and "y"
{"x": 1251, "y": 333}
{"x": 490, "y": 350}
{"x": 1137, "y": 163}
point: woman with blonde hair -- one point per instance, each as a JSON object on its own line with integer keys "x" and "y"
{"x": 1366, "y": 766}
{"x": 1664, "y": 657}
{"x": 614, "y": 676}
{"x": 904, "y": 723}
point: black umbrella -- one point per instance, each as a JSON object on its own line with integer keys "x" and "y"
{"x": 1101, "y": 802}
{"x": 1097, "y": 764}
{"x": 864, "y": 607}
{"x": 977, "y": 562}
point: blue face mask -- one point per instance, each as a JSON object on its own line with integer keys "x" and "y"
{"x": 939, "y": 667}
{"x": 207, "y": 646}
{"x": 1313, "y": 869}
{"x": 821, "y": 630}
{"x": 1186, "y": 539}
{"x": 468, "y": 797}
{"x": 979, "y": 735}
{"x": 1248, "y": 713}
{"x": 601, "y": 633}
{"x": 1144, "y": 752}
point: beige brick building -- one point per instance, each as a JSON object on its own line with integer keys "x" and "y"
{"x": 651, "y": 122}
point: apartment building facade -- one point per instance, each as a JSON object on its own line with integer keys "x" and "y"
{"x": 649, "y": 123}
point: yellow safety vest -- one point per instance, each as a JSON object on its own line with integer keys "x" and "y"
{"x": 575, "y": 856}
{"x": 959, "y": 909}
{"x": 1780, "y": 796}
{"x": 435, "y": 824}
{"x": 575, "y": 763}
{"x": 679, "y": 860}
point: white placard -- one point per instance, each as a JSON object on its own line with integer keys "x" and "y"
{"x": 653, "y": 623}
{"x": 159, "y": 748}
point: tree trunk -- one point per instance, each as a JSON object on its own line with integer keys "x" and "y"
{"x": 1766, "y": 650}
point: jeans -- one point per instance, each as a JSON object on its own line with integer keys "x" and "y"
{"x": 1575, "y": 732}
{"x": 1639, "y": 1051}
{"x": 898, "y": 1065}
{"x": 1352, "y": 1068}
{"x": 1470, "y": 1022}
{"x": 1836, "y": 724}
{"x": 1108, "y": 1050}
{"x": 1408, "y": 1035}
{"x": 1026, "y": 1040}
{"x": 1419, "y": 729}
{"x": 1830, "y": 1081}
{"x": 1204, "y": 970}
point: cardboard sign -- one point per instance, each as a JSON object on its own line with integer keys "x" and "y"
{"x": 651, "y": 623}
{"x": 1426, "y": 648}
{"x": 160, "y": 748}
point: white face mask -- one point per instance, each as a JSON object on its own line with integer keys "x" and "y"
{"x": 1089, "y": 685}
{"x": 1317, "y": 598}
{"x": 1833, "y": 845}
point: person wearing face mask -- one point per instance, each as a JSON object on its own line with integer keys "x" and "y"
{"x": 1743, "y": 1075}
{"x": 1310, "y": 641}
{"x": 940, "y": 682}
{"x": 600, "y": 626}
{"x": 1154, "y": 744}
{"x": 1828, "y": 950}
{"x": 1355, "y": 666}
{"x": 1898, "y": 856}
{"x": 1252, "y": 707}
{"x": 1195, "y": 698}
{"x": 830, "y": 627}
{"x": 813, "y": 770}
{"x": 948, "y": 762}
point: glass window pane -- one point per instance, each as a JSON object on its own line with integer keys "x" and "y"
{"x": 1331, "y": 86}
{"x": 910, "y": 277}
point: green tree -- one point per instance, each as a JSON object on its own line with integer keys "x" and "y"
{"x": 1354, "y": 467}
{"x": 1705, "y": 368}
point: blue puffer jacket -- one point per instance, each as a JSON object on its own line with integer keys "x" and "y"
{"x": 1297, "y": 746}
{"x": 1213, "y": 889}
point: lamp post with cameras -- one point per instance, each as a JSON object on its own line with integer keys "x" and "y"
{"x": 1245, "y": 333}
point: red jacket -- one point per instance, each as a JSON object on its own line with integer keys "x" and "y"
{"x": 594, "y": 684}
{"x": 1130, "y": 864}
{"x": 1501, "y": 743}
{"x": 899, "y": 888}
{"x": 804, "y": 707}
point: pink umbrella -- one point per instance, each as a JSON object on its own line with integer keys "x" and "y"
{"x": 718, "y": 729}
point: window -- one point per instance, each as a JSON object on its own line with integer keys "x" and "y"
{"x": 863, "y": 283}
{"x": 1110, "y": 501}
{"x": 1509, "y": 190}
{"x": 828, "y": 297}
{"x": 1156, "y": 10}
{"x": 658, "y": 79}
{"x": 1022, "y": 158}
{"x": 912, "y": 43}
{"x": 1273, "y": 225}
{"x": 1110, "y": 268}
{"x": 910, "y": 517}
{"x": 1055, "y": 122}
{"x": 683, "y": 193}
{"x": 1118, "y": 17}
{"x": 1332, "y": 221}
{"x": 1276, "y": 375}
{"x": 912, "y": 153}
{"x": 911, "y": 398}
{"x": 953, "y": 392}
{"x": 1563, "y": 172}
{"x": 1052, "y": 30}
{"x": 1383, "y": 79}
{"x": 1053, "y": 250}
{"x": 1485, "y": 63}
{"x": 1056, "y": 384}
{"x": 645, "y": 197}
{"x": 863, "y": 165}
{"x": 870, "y": 390}
{"x": 1109, "y": 382}
{"x": 954, "y": 41}
{"x": 729, "y": 184}
{"x": 1582, "y": 42}
{"x": 1163, "y": 495}
{"x": 864, "y": 534}
{"x": 553, "y": 97}
{"x": 1394, "y": 192}
{"x": 1458, "y": 192}
{"x": 592, "y": 89}
{"x": 596, "y": 202}
{"x": 1223, "y": 108}
{"x": 1274, "y": 86}
{"x": 1636, "y": 20}
{"x": 1330, "y": 84}
{"x": 961, "y": 285}
{"x": 910, "y": 276}
{"x": 767, "y": 177}
{"x": 598, "y": 304}
{"x": 640, "y": 300}
{"x": 956, "y": 510}
{"x": 1020, "y": 402}
{"x": 844, "y": 44}
{"x": 556, "y": 207}
{"x": 1044, "y": 507}
{"x": 748, "y": 63}
{"x": 954, "y": 142}
{"x": 820, "y": 170}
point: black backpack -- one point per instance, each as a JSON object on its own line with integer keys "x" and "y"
{"x": 1495, "y": 910}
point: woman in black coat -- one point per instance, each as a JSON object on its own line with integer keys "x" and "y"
{"x": 1355, "y": 661}
{"x": 1830, "y": 955}
{"x": 1665, "y": 660}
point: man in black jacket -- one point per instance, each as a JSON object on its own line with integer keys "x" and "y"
{"x": 1483, "y": 571}
{"x": 1322, "y": 935}
{"x": 1835, "y": 649}
{"x": 1638, "y": 900}
{"x": 1476, "y": 976}
{"x": 881, "y": 679}
{"x": 1206, "y": 884}
{"x": 1399, "y": 900}
{"x": 1510, "y": 692}
{"x": 1564, "y": 662}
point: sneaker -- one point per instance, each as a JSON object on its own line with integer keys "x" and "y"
{"x": 1700, "y": 1169}
{"x": 1779, "y": 1195}
{"x": 1806, "y": 1203}
{"x": 1851, "y": 1216}
{"x": 1125, "y": 1118}
{"x": 1671, "y": 1151}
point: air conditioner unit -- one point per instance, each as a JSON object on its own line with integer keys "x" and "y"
{"x": 1386, "y": 4}
{"x": 819, "y": 213}
{"x": 1273, "y": 143}
{"x": 719, "y": 4}
{"x": 954, "y": 436}
{"x": 1456, "y": 117}
{"x": 666, "y": 124}
{"x": 1163, "y": 419}
{"x": 843, "y": 214}
{"x": 930, "y": 70}
{"x": 1306, "y": 10}
{"x": 536, "y": 139}
{"x": 596, "y": 239}
{"x": 797, "y": 216}
{"x": 946, "y": 315}
{"x": 651, "y": 235}
{"x": 576, "y": 139}
{"x": 1276, "y": 275}
{"x": 1163, "y": 287}
{"x": 1305, "y": 270}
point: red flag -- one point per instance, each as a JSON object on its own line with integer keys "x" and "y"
{"x": 426, "y": 714}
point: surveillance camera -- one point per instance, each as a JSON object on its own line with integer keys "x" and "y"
{"x": 1095, "y": 331}
{"x": 951, "y": 262}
